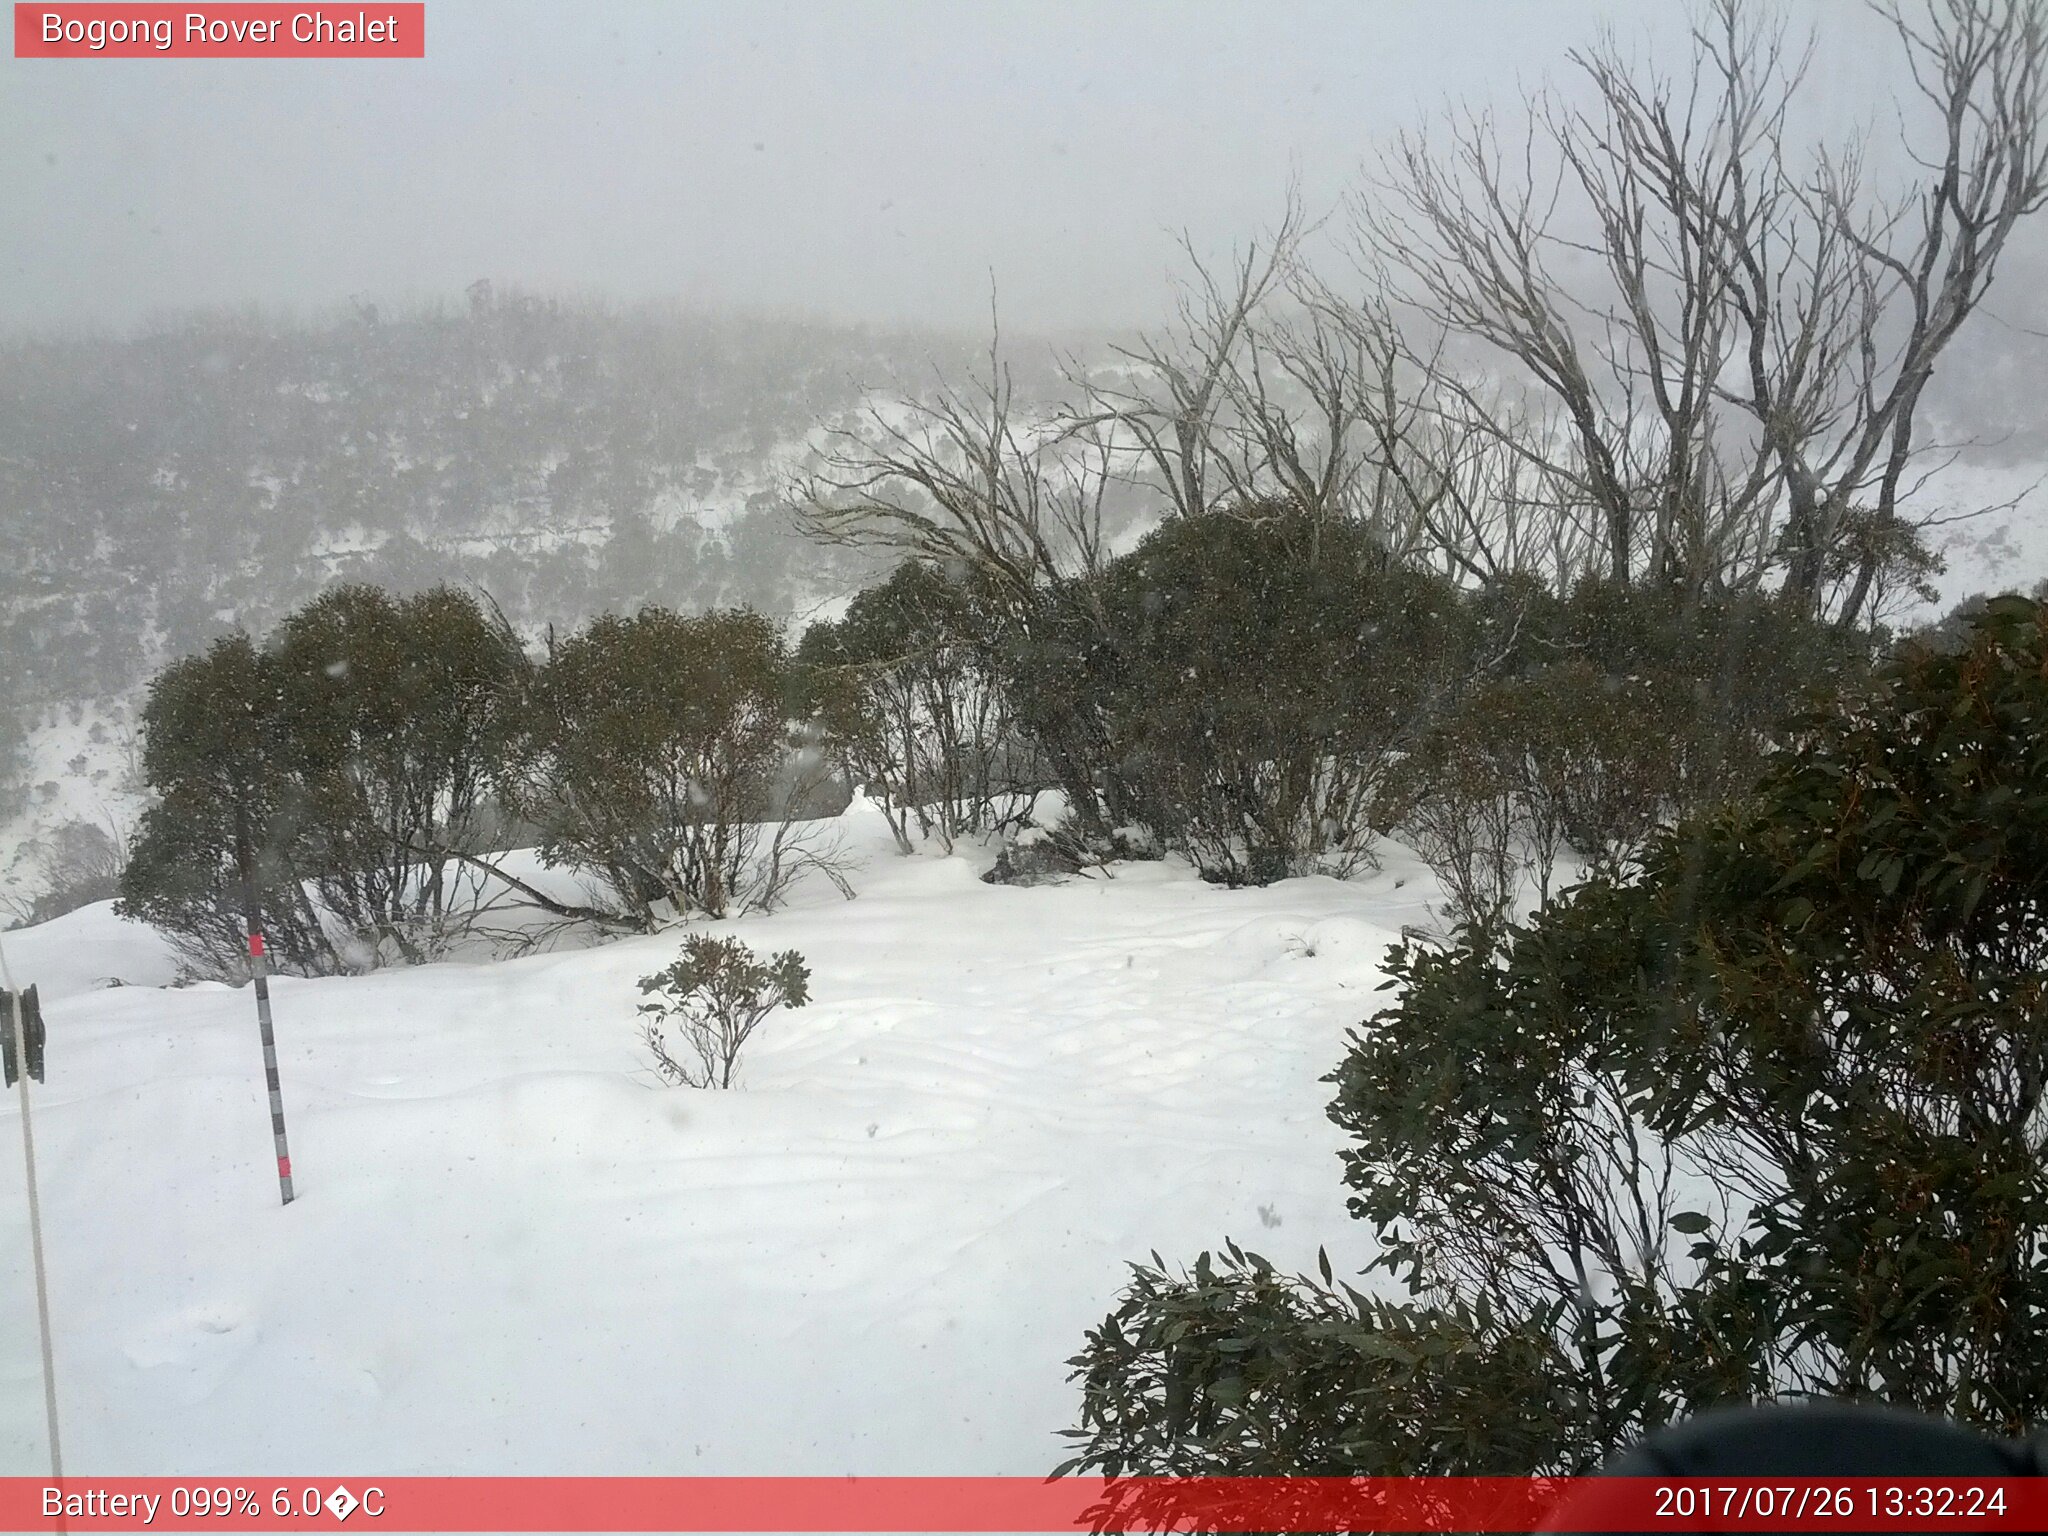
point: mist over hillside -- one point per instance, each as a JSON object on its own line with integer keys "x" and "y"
{"x": 566, "y": 457}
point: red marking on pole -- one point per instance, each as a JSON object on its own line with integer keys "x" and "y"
{"x": 284, "y": 1167}
{"x": 256, "y": 946}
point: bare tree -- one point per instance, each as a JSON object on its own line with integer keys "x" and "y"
{"x": 961, "y": 477}
{"x": 1181, "y": 408}
{"x": 1227, "y": 406}
{"x": 1735, "y": 343}
{"x": 1982, "y": 67}
{"x": 1409, "y": 450}
{"x": 1271, "y": 390}
{"x": 1007, "y": 499}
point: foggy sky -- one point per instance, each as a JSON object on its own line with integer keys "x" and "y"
{"x": 881, "y": 160}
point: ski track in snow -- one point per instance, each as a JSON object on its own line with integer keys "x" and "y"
{"x": 515, "y": 1252}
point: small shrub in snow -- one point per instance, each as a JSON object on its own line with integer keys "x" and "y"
{"x": 1033, "y": 857}
{"x": 714, "y": 996}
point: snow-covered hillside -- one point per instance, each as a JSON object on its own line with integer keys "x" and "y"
{"x": 515, "y": 1252}
{"x": 82, "y": 764}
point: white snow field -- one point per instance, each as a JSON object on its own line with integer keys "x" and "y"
{"x": 514, "y": 1251}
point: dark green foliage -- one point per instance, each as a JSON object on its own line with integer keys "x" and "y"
{"x": 1266, "y": 692}
{"x": 1056, "y": 656}
{"x": 1232, "y": 1368}
{"x": 1868, "y": 981}
{"x": 1521, "y": 771}
{"x": 230, "y": 818}
{"x": 365, "y": 766}
{"x": 391, "y": 706}
{"x": 647, "y": 751}
{"x": 344, "y": 767}
{"x": 1720, "y": 671}
{"x": 1266, "y": 665}
{"x": 1498, "y": 1143}
{"x": 1603, "y": 755}
{"x": 715, "y": 994}
{"x": 1764, "y": 1118}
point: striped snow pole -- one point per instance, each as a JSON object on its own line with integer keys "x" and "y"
{"x": 260, "y": 965}
{"x": 259, "y": 968}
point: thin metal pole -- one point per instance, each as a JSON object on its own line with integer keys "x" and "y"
{"x": 35, "y": 1224}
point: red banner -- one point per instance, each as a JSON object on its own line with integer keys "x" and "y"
{"x": 371, "y": 30}
{"x": 1022, "y": 1504}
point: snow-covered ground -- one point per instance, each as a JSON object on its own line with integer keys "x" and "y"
{"x": 83, "y": 764}
{"x": 515, "y": 1252}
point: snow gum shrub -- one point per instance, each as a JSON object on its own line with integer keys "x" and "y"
{"x": 230, "y": 816}
{"x": 392, "y": 707}
{"x": 1763, "y": 1117}
{"x": 1268, "y": 666}
{"x": 912, "y": 706}
{"x": 1592, "y": 720}
{"x": 647, "y": 750}
{"x": 714, "y": 996}
{"x": 1521, "y": 771}
{"x": 1057, "y": 654}
{"x": 1715, "y": 673}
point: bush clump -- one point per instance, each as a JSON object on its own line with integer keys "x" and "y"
{"x": 652, "y": 752}
{"x": 335, "y": 781}
{"x": 1262, "y": 670}
{"x": 905, "y": 689}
